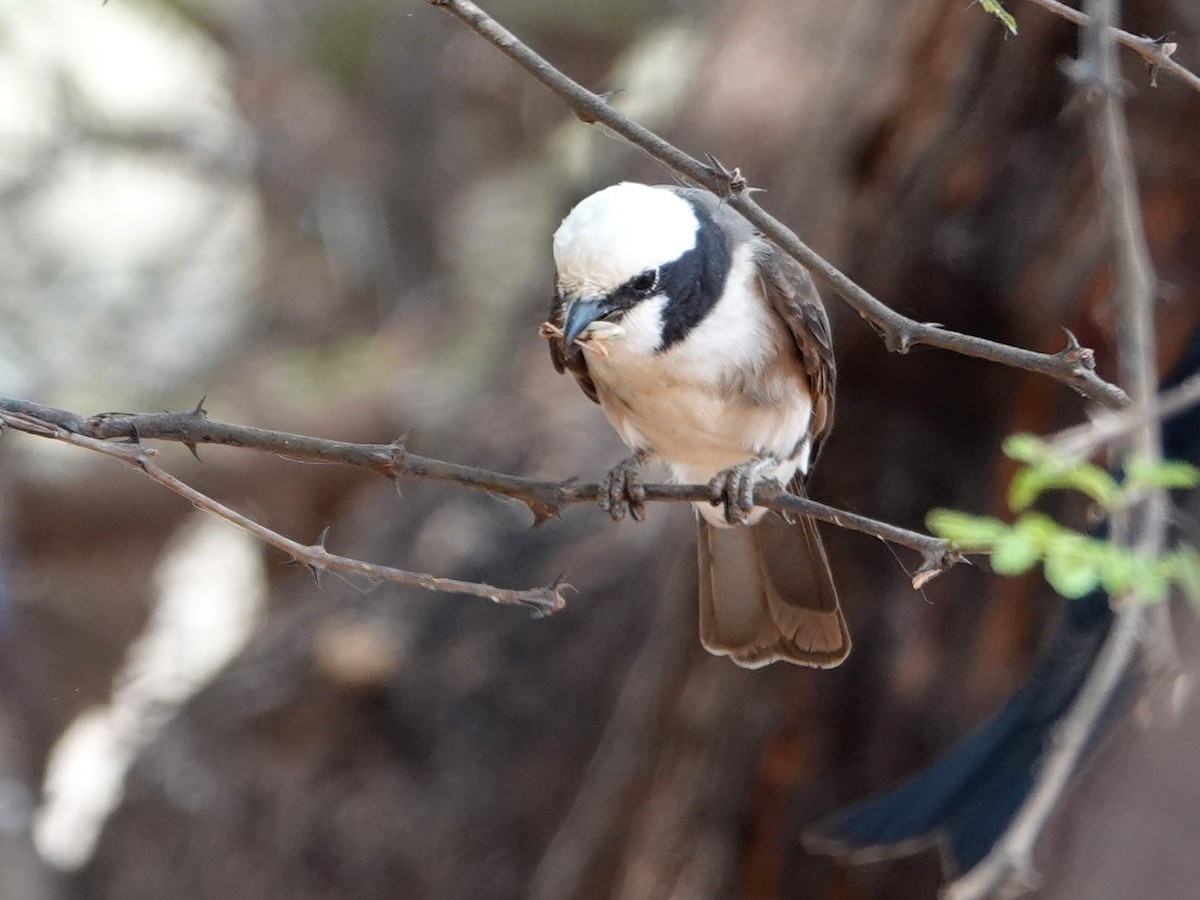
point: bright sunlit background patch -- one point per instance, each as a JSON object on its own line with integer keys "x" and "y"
{"x": 211, "y": 590}
{"x": 129, "y": 227}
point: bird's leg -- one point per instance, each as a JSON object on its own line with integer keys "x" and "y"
{"x": 735, "y": 487}
{"x": 621, "y": 488}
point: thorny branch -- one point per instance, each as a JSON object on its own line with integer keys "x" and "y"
{"x": 545, "y": 499}
{"x": 1157, "y": 52}
{"x": 543, "y": 600}
{"x": 1010, "y": 865}
{"x": 1082, "y": 441}
{"x": 1073, "y": 365}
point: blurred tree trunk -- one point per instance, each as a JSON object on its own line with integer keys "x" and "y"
{"x": 601, "y": 753}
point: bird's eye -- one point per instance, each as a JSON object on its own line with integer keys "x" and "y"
{"x": 645, "y": 283}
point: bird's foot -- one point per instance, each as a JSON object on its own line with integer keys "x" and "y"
{"x": 621, "y": 489}
{"x": 734, "y": 488}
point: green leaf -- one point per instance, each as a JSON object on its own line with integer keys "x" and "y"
{"x": 1027, "y": 448}
{"x": 1040, "y": 528}
{"x": 1073, "y": 566}
{"x": 1026, "y": 486}
{"x": 1169, "y": 474}
{"x": 963, "y": 529}
{"x": 994, "y": 7}
{"x": 1117, "y": 570}
{"x": 1014, "y": 553}
{"x": 1095, "y": 482}
{"x": 1031, "y": 482}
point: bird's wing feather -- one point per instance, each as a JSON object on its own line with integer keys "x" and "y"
{"x": 791, "y": 292}
{"x": 576, "y": 362}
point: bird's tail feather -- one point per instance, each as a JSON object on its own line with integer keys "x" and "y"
{"x": 766, "y": 594}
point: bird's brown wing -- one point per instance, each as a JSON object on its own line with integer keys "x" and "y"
{"x": 576, "y": 362}
{"x": 791, "y": 292}
{"x": 766, "y": 591}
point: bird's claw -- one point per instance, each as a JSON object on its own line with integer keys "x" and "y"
{"x": 622, "y": 491}
{"x": 734, "y": 488}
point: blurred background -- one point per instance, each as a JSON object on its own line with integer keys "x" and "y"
{"x": 334, "y": 218}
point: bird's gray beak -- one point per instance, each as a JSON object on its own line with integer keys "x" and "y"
{"x": 581, "y": 313}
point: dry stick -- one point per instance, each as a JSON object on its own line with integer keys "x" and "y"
{"x": 1072, "y": 366}
{"x": 543, "y": 600}
{"x": 545, "y": 499}
{"x": 1010, "y": 863}
{"x": 1083, "y": 440}
{"x": 1158, "y": 53}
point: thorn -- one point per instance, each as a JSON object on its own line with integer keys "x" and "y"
{"x": 198, "y": 410}
{"x": 933, "y": 566}
{"x": 400, "y": 444}
{"x": 321, "y": 539}
{"x": 550, "y": 599}
{"x": 734, "y": 181}
{"x": 315, "y": 571}
{"x": 586, "y": 117}
{"x": 191, "y": 445}
{"x": 542, "y": 512}
{"x": 717, "y": 166}
{"x": 1163, "y": 41}
{"x": 399, "y": 450}
{"x": 1166, "y": 49}
{"x": 1075, "y": 355}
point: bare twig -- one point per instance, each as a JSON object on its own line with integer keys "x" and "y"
{"x": 1083, "y": 440}
{"x": 545, "y": 499}
{"x": 1157, "y": 53}
{"x": 543, "y": 600}
{"x": 1010, "y": 863}
{"x": 1072, "y": 366}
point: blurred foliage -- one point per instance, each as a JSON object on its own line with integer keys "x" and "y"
{"x": 1076, "y": 564}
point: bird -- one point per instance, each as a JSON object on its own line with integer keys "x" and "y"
{"x": 709, "y": 351}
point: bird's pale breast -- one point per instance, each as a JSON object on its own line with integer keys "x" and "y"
{"x": 731, "y": 390}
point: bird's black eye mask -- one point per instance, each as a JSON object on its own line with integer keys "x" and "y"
{"x": 692, "y": 284}
{"x": 640, "y": 287}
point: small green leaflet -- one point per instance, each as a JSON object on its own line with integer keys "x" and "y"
{"x": 996, "y": 9}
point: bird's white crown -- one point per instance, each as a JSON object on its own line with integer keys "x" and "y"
{"x": 618, "y": 233}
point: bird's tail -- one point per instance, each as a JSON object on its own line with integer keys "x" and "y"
{"x": 766, "y": 594}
